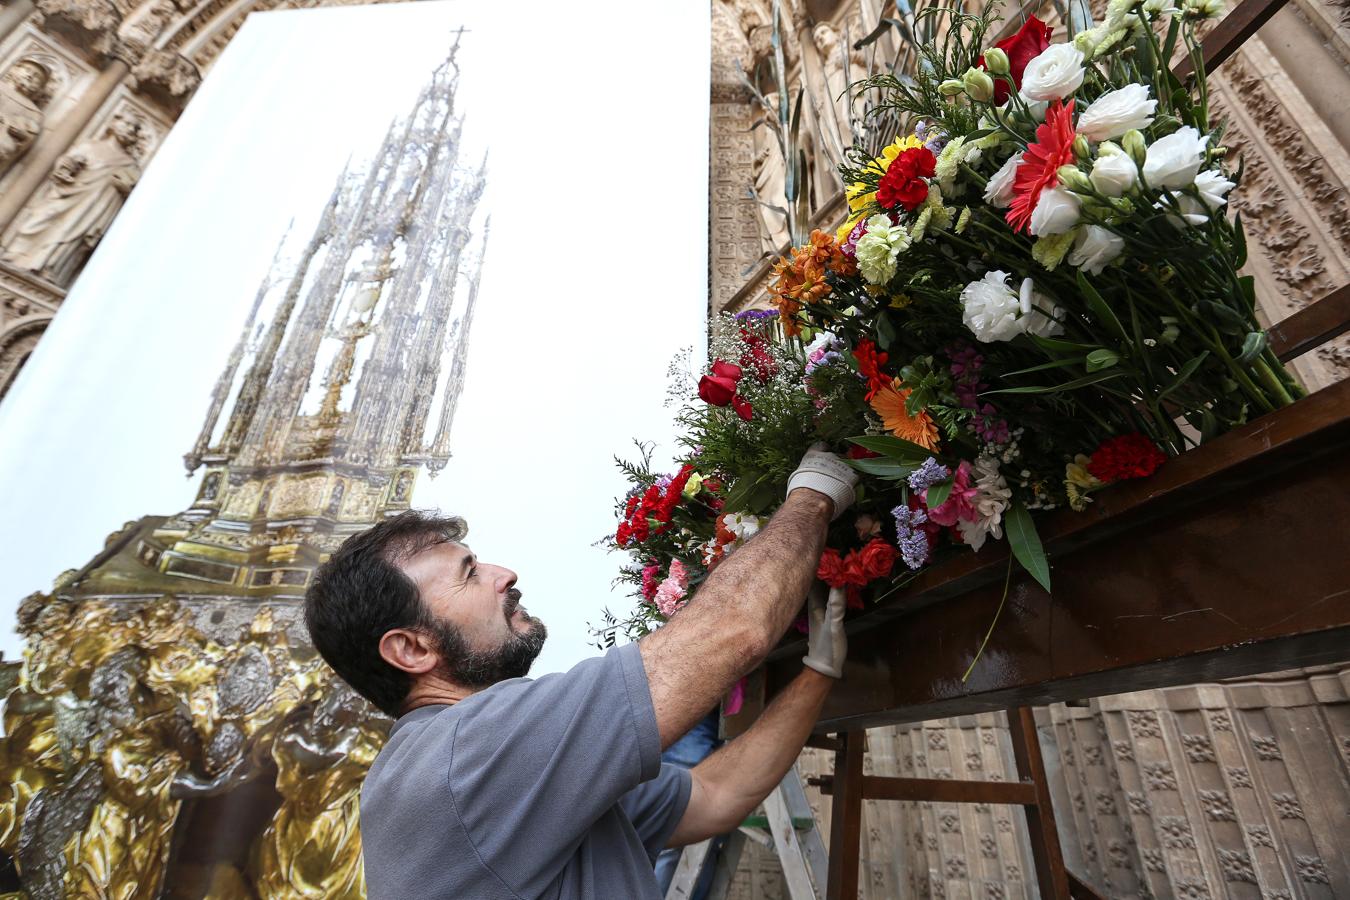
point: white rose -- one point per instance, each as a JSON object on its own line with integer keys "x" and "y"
{"x": 1173, "y": 161}
{"x": 1040, "y": 314}
{"x": 1116, "y": 112}
{"x": 1053, "y": 75}
{"x": 990, "y": 308}
{"x": 999, "y": 191}
{"x": 1056, "y": 211}
{"x": 1113, "y": 175}
{"x": 876, "y": 251}
{"x": 1094, "y": 247}
{"x": 1212, "y": 186}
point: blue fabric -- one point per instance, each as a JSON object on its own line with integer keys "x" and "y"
{"x": 690, "y": 750}
{"x": 550, "y": 788}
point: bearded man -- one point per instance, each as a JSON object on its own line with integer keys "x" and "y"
{"x": 493, "y": 785}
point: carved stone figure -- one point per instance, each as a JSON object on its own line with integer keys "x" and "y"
{"x": 23, "y": 92}
{"x": 60, "y": 227}
{"x": 312, "y": 848}
{"x": 769, "y": 180}
{"x": 138, "y": 31}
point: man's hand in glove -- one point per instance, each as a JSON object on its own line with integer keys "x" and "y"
{"x": 822, "y": 471}
{"x": 826, "y": 643}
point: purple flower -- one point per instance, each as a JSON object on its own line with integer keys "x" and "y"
{"x": 906, "y": 517}
{"x": 663, "y": 481}
{"x": 913, "y": 543}
{"x": 755, "y": 315}
{"x": 928, "y": 474}
{"x": 914, "y": 549}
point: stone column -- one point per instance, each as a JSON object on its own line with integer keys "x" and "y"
{"x": 38, "y": 162}
{"x": 15, "y": 13}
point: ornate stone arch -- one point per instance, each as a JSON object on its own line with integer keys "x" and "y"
{"x": 16, "y": 344}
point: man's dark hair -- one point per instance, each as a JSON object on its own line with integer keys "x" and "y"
{"x": 360, "y": 593}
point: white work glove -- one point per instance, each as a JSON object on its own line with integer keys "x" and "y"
{"x": 820, "y": 470}
{"x": 826, "y": 642}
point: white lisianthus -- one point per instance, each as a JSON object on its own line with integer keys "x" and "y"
{"x": 999, "y": 191}
{"x": 1116, "y": 112}
{"x": 1172, "y": 162}
{"x": 990, "y": 308}
{"x": 1213, "y": 188}
{"x": 1053, "y": 75}
{"x": 1094, "y": 247}
{"x": 991, "y": 501}
{"x": 1040, "y": 314}
{"x": 1056, "y": 211}
{"x": 1113, "y": 174}
{"x": 877, "y": 250}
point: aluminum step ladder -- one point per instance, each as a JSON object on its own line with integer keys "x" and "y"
{"x": 788, "y": 826}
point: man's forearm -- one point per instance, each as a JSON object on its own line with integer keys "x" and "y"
{"x": 740, "y": 775}
{"x": 743, "y": 607}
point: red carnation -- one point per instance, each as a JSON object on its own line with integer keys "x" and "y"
{"x": 1125, "y": 456}
{"x": 1040, "y": 164}
{"x": 902, "y": 185}
{"x": 1031, "y": 39}
{"x": 870, "y": 362}
{"x": 831, "y": 568}
{"x": 878, "y": 558}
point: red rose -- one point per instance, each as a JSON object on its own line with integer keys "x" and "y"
{"x": 831, "y": 568}
{"x": 903, "y": 183}
{"x": 717, "y": 391}
{"x": 1126, "y": 456}
{"x": 1029, "y": 42}
{"x": 855, "y": 573}
{"x": 723, "y": 369}
{"x": 878, "y": 558}
{"x": 743, "y": 408}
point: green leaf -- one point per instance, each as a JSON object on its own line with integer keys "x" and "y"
{"x": 938, "y": 494}
{"x": 1056, "y": 388}
{"x": 894, "y": 447}
{"x": 1055, "y": 364}
{"x": 886, "y": 468}
{"x": 1026, "y": 543}
{"x": 1239, "y": 242}
{"x": 1102, "y": 359}
{"x": 1099, "y": 308}
{"x": 885, "y": 331}
{"x": 1222, "y": 317}
{"x": 1252, "y": 346}
{"x": 1055, "y": 345}
{"x": 1185, "y": 372}
{"x": 739, "y": 496}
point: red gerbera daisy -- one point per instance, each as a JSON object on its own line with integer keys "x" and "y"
{"x": 1041, "y": 162}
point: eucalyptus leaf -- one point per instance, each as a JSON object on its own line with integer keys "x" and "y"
{"x": 1026, "y": 543}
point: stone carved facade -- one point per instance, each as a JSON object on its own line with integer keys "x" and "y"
{"x": 1209, "y": 791}
{"x": 98, "y": 61}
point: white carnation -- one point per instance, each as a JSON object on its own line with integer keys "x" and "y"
{"x": 878, "y": 249}
{"x": 993, "y": 311}
{"x": 1056, "y": 211}
{"x": 999, "y": 191}
{"x": 1094, "y": 247}
{"x": 1172, "y": 162}
{"x": 1053, "y": 75}
{"x": 1116, "y": 112}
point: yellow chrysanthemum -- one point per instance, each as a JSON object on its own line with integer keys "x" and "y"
{"x": 889, "y": 403}
{"x": 859, "y": 198}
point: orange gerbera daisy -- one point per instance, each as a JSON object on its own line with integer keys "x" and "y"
{"x": 889, "y": 403}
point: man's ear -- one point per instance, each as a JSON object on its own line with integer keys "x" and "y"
{"x": 411, "y": 651}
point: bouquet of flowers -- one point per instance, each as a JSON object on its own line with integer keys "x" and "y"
{"x": 1035, "y": 294}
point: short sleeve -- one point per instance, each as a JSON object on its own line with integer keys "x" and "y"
{"x": 655, "y": 807}
{"x": 548, "y": 758}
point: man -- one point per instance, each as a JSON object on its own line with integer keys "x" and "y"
{"x": 496, "y": 786}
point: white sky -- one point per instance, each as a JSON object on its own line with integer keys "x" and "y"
{"x": 595, "y": 277}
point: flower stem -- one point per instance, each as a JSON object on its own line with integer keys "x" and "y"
{"x": 1007, "y": 581}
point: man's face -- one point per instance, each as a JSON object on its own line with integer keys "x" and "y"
{"x": 485, "y": 634}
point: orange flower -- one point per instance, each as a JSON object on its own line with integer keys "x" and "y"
{"x": 889, "y": 403}
{"x": 801, "y": 278}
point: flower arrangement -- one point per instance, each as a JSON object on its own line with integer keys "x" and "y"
{"x": 1035, "y": 294}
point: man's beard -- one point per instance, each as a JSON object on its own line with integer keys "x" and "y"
{"x": 483, "y": 668}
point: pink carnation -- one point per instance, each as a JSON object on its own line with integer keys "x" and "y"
{"x": 960, "y": 504}
{"x": 670, "y": 597}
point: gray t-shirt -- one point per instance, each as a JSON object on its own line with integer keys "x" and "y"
{"x": 549, "y": 788}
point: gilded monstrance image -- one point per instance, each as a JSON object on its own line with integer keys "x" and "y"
{"x": 170, "y": 732}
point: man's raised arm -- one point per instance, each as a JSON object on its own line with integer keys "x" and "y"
{"x": 747, "y": 602}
